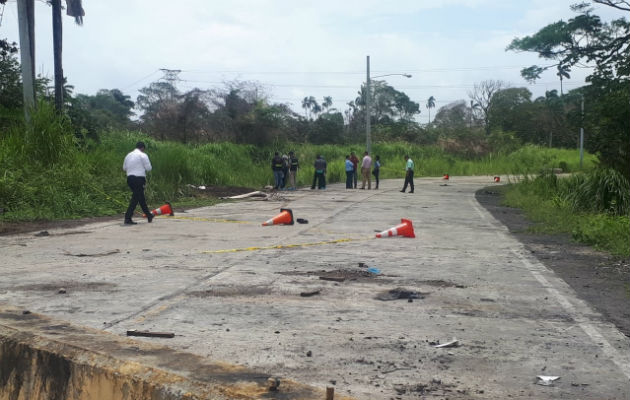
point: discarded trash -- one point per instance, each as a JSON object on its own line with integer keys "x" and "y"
{"x": 546, "y": 380}
{"x": 445, "y": 177}
{"x": 247, "y": 195}
{"x": 61, "y": 291}
{"x": 362, "y": 265}
{"x": 452, "y": 343}
{"x": 497, "y": 179}
{"x": 309, "y": 353}
{"x": 444, "y": 184}
{"x": 42, "y": 233}
{"x": 134, "y": 332}
{"x": 399, "y": 294}
{"x": 374, "y": 271}
{"x": 302, "y": 221}
{"x": 26, "y": 312}
{"x": 309, "y": 294}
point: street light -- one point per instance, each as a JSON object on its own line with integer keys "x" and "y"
{"x": 368, "y": 138}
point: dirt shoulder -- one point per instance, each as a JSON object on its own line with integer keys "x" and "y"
{"x": 13, "y": 228}
{"x": 598, "y": 278}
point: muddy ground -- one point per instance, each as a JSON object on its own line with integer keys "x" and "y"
{"x": 598, "y": 278}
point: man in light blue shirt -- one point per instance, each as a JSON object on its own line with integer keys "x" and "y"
{"x": 408, "y": 174}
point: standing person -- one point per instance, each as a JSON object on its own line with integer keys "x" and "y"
{"x": 366, "y": 165}
{"x": 355, "y": 163}
{"x": 408, "y": 174}
{"x": 293, "y": 168}
{"x": 320, "y": 173}
{"x": 136, "y": 165}
{"x": 276, "y": 167}
{"x": 377, "y": 169}
{"x": 349, "y": 172}
{"x": 285, "y": 170}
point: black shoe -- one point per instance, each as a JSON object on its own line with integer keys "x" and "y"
{"x": 402, "y": 191}
{"x": 130, "y": 222}
{"x": 411, "y": 191}
{"x": 150, "y": 217}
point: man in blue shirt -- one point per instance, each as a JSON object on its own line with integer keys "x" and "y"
{"x": 349, "y": 172}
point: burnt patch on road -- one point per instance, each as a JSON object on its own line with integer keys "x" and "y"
{"x": 338, "y": 275}
{"x": 400, "y": 294}
{"x": 68, "y": 286}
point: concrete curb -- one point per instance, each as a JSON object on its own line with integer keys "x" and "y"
{"x": 43, "y": 358}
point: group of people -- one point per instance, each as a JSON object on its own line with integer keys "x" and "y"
{"x": 137, "y": 164}
{"x": 352, "y": 165}
{"x": 284, "y": 168}
{"x": 284, "y": 165}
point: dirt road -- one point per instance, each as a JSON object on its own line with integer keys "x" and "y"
{"x": 307, "y": 310}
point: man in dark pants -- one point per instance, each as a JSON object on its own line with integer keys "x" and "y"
{"x": 136, "y": 165}
{"x": 408, "y": 174}
{"x": 355, "y": 163}
{"x": 320, "y": 173}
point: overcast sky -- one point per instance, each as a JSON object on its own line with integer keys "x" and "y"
{"x": 297, "y": 48}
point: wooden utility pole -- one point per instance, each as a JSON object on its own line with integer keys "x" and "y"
{"x": 57, "y": 47}
{"x": 26, "y": 20}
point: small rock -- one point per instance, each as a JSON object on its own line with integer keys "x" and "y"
{"x": 61, "y": 291}
{"x": 309, "y": 353}
{"x": 26, "y": 312}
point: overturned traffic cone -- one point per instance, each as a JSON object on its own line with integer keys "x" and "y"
{"x": 284, "y": 218}
{"x": 404, "y": 229}
{"x": 445, "y": 177}
{"x": 165, "y": 209}
{"x": 497, "y": 179}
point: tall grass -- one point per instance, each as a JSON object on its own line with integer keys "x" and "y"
{"x": 594, "y": 208}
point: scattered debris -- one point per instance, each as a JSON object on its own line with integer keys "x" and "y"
{"x": 399, "y": 294}
{"x": 362, "y": 265}
{"x": 546, "y": 380}
{"x": 26, "y": 312}
{"x": 309, "y": 294}
{"x": 42, "y": 233}
{"x": 61, "y": 291}
{"x": 452, "y": 343}
{"x": 106, "y": 253}
{"x": 374, "y": 271}
{"x": 274, "y": 384}
{"x": 302, "y": 221}
{"x": 257, "y": 193}
{"x": 134, "y": 332}
{"x": 488, "y": 300}
{"x": 309, "y": 353}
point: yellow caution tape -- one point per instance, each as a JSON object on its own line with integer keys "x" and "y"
{"x": 207, "y": 219}
{"x": 284, "y": 246}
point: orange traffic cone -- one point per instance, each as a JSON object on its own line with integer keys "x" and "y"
{"x": 165, "y": 209}
{"x": 404, "y": 229}
{"x": 284, "y": 218}
{"x": 445, "y": 177}
{"x": 497, "y": 179}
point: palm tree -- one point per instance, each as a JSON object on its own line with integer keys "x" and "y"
{"x": 430, "y": 105}
{"x": 563, "y": 72}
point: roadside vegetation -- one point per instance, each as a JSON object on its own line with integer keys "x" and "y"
{"x": 66, "y": 163}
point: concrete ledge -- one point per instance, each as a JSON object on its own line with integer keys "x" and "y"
{"x": 41, "y": 358}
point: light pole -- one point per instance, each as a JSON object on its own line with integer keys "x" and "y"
{"x": 368, "y": 94}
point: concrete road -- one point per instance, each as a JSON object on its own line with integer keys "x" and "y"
{"x": 513, "y": 318}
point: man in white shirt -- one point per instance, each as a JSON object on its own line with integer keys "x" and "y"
{"x": 366, "y": 164}
{"x": 136, "y": 165}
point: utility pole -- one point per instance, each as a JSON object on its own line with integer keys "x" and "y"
{"x": 582, "y": 135}
{"x": 368, "y": 139}
{"x": 57, "y": 47}
{"x": 26, "y": 20}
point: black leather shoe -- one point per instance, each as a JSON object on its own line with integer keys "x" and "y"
{"x": 130, "y": 222}
{"x": 411, "y": 191}
{"x": 402, "y": 191}
{"x": 150, "y": 217}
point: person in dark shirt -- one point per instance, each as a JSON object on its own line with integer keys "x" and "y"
{"x": 320, "y": 173}
{"x": 276, "y": 167}
{"x": 355, "y": 163}
{"x": 293, "y": 168}
{"x": 377, "y": 169}
{"x": 285, "y": 171}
